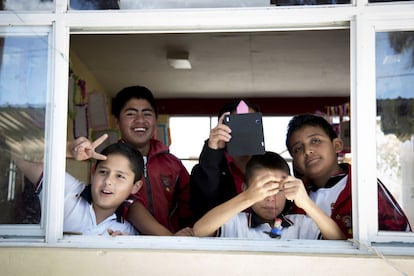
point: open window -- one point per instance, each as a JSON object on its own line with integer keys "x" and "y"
{"x": 321, "y": 52}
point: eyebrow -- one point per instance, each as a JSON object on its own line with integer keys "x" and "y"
{"x": 117, "y": 171}
{"x": 136, "y": 109}
{"x": 309, "y": 136}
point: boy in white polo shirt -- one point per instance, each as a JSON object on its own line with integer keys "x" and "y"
{"x": 90, "y": 209}
{"x": 268, "y": 186}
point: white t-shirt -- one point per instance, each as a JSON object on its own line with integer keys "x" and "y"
{"x": 79, "y": 216}
{"x": 238, "y": 227}
{"x": 325, "y": 198}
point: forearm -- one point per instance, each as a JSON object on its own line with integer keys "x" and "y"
{"x": 144, "y": 222}
{"x": 215, "y": 218}
{"x": 206, "y": 175}
{"x": 31, "y": 170}
{"x": 328, "y": 227}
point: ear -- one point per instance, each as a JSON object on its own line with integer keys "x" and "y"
{"x": 338, "y": 144}
{"x": 137, "y": 186}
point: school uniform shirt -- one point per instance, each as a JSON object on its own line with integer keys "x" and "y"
{"x": 336, "y": 200}
{"x": 325, "y": 198}
{"x": 294, "y": 227}
{"x": 79, "y": 216}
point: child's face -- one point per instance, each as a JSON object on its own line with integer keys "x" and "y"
{"x": 113, "y": 182}
{"x": 137, "y": 122}
{"x": 271, "y": 206}
{"x": 313, "y": 152}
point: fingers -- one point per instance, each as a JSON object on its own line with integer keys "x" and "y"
{"x": 185, "y": 232}
{"x": 295, "y": 190}
{"x": 221, "y": 119}
{"x": 219, "y": 136}
{"x": 83, "y": 149}
{"x": 99, "y": 141}
{"x": 117, "y": 233}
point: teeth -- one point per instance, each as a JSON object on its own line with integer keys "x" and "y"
{"x": 106, "y": 192}
{"x": 139, "y": 129}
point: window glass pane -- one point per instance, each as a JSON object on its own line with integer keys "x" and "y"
{"x": 197, "y": 4}
{"x": 26, "y": 5}
{"x": 187, "y": 137}
{"x": 380, "y": 1}
{"x": 23, "y": 84}
{"x": 395, "y": 116}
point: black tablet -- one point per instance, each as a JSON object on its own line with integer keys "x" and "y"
{"x": 247, "y": 134}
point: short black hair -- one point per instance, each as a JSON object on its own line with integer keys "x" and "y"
{"x": 136, "y": 162}
{"x": 268, "y": 160}
{"x": 127, "y": 93}
{"x": 232, "y": 107}
{"x": 307, "y": 119}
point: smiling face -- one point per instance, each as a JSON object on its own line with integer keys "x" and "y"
{"x": 314, "y": 153}
{"x": 113, "y": 182}
{"x": 271, "y": 206}
{"x": 137, "y": 122}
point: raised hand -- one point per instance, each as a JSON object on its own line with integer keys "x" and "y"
{"x": 220, "y": 134}
{"x": 83, "y": 149}
{"x": 295, "y": 191}
{"x": 263, "y": 184}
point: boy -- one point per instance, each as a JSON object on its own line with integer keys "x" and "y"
{"x": 268, "y": 186}
{"x": 90, "y": 209}
{"x": 218, "y": 176}
{"x": 166, "y": 190}
{"x": 314, "y": 145}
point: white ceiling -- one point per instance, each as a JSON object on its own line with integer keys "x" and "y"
{"x": 259, "y": 64}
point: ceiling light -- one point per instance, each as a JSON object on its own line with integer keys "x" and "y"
{"x": 179, "y": 60}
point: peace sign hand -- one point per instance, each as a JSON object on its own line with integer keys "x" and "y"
{"x": 83, "y": 149}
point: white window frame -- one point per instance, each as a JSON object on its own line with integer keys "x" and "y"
{"x": 363, "y": 20}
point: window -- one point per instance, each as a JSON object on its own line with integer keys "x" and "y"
{"x": 395, "y": 109}
{"x": 23, "y": 86}
{"x": 51, "y": 70}
{"x": 22, "y": 5}
{"x": 194, "y": 4}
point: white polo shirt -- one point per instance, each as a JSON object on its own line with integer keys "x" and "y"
{"x": 325, "y": 198}
{"x": 238, "y": 227}
{"x": 79, "y": 216}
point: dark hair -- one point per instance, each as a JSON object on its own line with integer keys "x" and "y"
{"x": 268, "y": 160}
{"x": 232, "y": 107}
{"x": 307, "y": 119}
{"x": 134, "y": 157}
{"x": 127, "y": 93}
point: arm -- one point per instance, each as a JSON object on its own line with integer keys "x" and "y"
{"x": 206, "y": 175}
{"x": 295, "y": 190}
{"x": 80, "y": 149}
{"x": 33, "y": 171}
{"x": 144, "y": 222}
{"x": 262, "y": 186}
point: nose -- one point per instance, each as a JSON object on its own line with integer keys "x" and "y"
{"x": 139, "y": 117}
{"x": 108, "y": 180}
{"x": 308, "y": 149}
{"x": 271, "y": 198}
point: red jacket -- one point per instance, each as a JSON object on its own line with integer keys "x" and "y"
{"x": 390, "y": 215}
{"x": 166, "y": 190}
